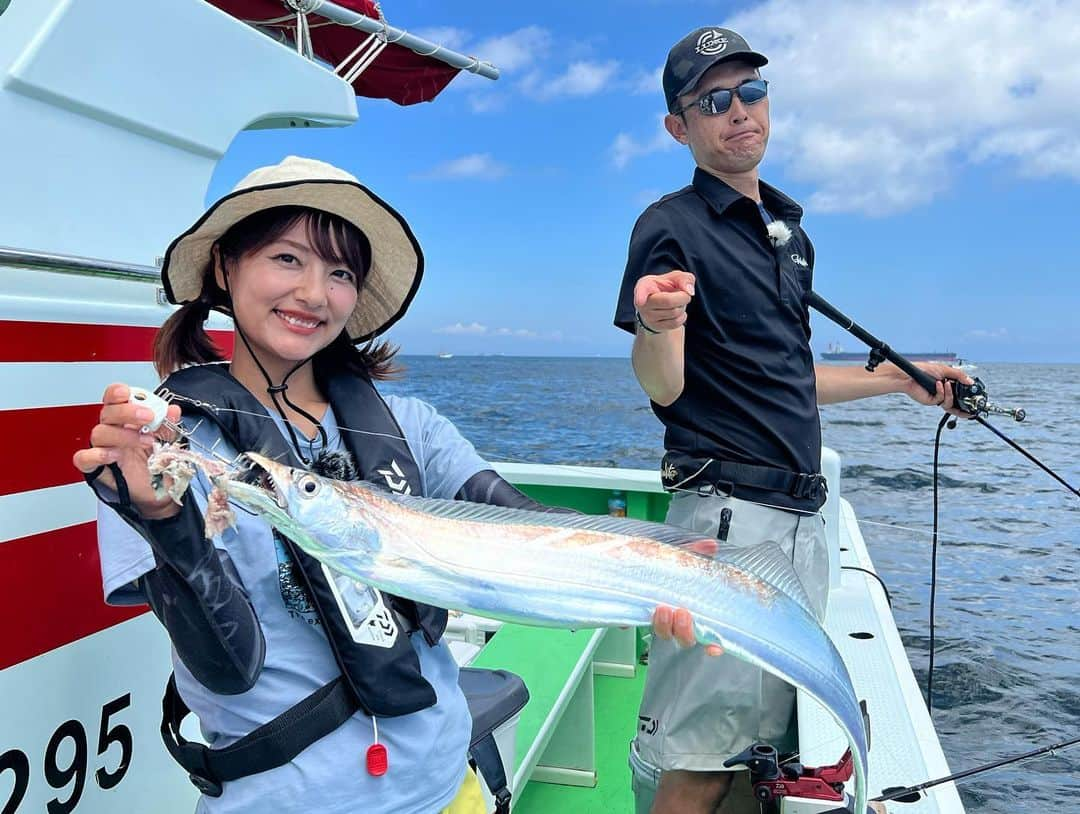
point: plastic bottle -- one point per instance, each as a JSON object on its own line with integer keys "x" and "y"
{"x": 616, "y": 505}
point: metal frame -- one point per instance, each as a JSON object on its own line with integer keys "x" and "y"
{"x": 69, "y": 263}
{"x": 352, "y": 19}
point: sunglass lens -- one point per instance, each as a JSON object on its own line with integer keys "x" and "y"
{"x": 716, "y": 102}
{"x": 753, "y": 91}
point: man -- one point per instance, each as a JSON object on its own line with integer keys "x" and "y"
{"x": 713, "y": 292}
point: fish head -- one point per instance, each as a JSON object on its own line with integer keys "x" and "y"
{"x": 311, "y": 510}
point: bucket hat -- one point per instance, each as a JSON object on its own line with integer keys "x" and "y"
{"x": 397, "y": 262}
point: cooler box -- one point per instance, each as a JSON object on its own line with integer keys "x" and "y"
{"x": 495, "y": 698}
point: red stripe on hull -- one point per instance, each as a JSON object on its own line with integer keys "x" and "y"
{"x": 52, "y": 593}
{"x": 39, "y": 445}
{"x": 67, "y": 342}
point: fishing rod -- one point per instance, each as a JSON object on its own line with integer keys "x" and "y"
{"x": 972, "y": 398}
{"x": 898, "y": 793}
{"x": 772, "y": 780}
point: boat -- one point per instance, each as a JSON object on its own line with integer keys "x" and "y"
{"x": 128, "y": 155}
{"x": 836, "y": 353}
{"x": 445, "y": 355}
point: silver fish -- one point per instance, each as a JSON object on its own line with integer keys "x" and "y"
{"x": 559, "y": 570}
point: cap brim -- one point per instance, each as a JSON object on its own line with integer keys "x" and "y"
{"x": 397, "y": 262}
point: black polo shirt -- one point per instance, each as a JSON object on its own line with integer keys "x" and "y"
{"x": 750, "y": 392}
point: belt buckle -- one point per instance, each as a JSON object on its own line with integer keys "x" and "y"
{"x": 809, "y": 486}
{"x": 720, "y": 488}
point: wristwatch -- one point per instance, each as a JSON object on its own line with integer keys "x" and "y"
{"x": 641, "y": 322}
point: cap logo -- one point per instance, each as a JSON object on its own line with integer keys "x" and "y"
{"x": 711, "y": 43}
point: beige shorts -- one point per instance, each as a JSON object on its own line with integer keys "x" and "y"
{"x": 698, "y": 710}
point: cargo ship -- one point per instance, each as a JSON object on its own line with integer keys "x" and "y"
{"x": 836, "y": 353}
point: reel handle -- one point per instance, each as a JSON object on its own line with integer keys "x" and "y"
{"x": 973, "y": 398}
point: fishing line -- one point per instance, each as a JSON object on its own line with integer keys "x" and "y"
{"x": 933, "y": 565}
{"x": 971, "y": 398}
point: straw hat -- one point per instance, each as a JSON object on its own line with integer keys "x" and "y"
{"x": 397, "y": 263}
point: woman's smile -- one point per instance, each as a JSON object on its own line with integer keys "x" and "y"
{"x": 298, "y": 322}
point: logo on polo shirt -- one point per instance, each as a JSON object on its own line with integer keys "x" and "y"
{"x": 798, "y": 261}
{"x": 711, "y": 43}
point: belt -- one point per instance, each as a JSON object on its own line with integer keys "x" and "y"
{"x": 680, "y": 471}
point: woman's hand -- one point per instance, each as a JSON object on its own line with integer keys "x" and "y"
{"x": 116, "y": 439}
{"x": 677, "y": 623}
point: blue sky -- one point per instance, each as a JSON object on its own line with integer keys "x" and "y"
{"x": 934, "y": 145}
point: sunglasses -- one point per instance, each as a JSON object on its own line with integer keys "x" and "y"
{"x": 718, "y": 100}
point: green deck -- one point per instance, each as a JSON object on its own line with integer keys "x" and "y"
{"x": 616, "y": 718}
{"x": 616, "y": 699}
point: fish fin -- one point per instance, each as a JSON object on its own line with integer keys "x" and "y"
{"x": 768, "y": 562}
{"x": 496, "y": 515}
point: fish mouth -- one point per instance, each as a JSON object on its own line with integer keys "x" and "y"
{"x": 254, "y": 485}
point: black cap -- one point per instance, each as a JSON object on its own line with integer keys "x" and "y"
{"x": 696, "y": 53}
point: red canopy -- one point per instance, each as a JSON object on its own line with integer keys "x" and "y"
{"x": 397, "y": 73}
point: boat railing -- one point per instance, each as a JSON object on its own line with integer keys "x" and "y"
{"x": 48, "y": 261}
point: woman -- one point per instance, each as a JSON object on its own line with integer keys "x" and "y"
{"x": 309, "y": 264}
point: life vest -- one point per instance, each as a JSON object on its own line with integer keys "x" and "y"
{"x": 384, "y": 678}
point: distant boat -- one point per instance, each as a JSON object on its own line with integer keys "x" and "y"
{"x": 445, "y": 355}
{"x": 835, "y": 353}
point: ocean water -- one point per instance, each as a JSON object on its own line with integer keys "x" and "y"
{"x": 1007, "y": 664}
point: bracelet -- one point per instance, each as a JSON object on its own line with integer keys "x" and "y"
{"x": 641, "y": 322}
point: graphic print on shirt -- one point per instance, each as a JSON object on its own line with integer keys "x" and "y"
{"x": 293, "y": 593}
{"x": 366, "y": 616}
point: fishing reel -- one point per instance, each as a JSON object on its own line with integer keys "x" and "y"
{"x": 973, "y": 398}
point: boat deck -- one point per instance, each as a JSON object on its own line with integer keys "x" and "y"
{"x": 616, "y": 701}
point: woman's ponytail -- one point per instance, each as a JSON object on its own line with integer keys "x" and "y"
{"x": 183, "y": 339}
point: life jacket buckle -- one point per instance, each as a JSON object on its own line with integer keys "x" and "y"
{"x": 210, "y": 788}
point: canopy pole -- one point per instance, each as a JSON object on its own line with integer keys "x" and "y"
{"x": 343, "y": 16}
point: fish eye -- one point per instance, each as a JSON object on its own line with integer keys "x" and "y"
{"x": 308, "y": 485}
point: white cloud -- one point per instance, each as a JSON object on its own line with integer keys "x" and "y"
{"x": 486, "y": 102}
{"x": 987, "y": 333}
{"x": 460, "y": 329}
{"x": 511, "y": 53}
{"x": 478, "y": 329}
{"x": 445, "y": 35}
{"x": 516, "y": 50}
{"x": 877, "y": 104}
{"x": 626, "y": 147}
{"x": 475, "y": 165}
{"x": 648, "y": 82}
{"x": 582, "y": 78}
